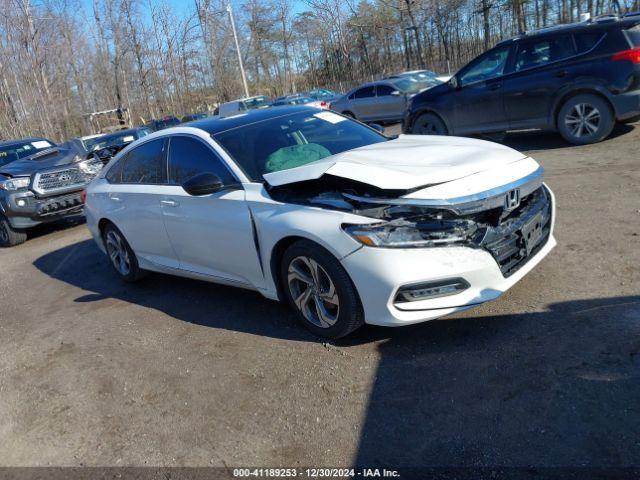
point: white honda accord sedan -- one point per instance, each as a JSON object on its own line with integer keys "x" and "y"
{"x": 345, "y": 224}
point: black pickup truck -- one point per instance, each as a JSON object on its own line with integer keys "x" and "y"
{"x": 40, "y": 182}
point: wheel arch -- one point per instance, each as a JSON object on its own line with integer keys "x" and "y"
{"x": 568, "y": 95}
{"x": 280, "y": 247}
{"x": 435, "y": 112}
{"x": 277, "y": 252}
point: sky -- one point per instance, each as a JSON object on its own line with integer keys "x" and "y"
{"x": 185, "y": 7}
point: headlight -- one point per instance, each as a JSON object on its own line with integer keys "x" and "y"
{"x": 90, "y": 167}
{"x": 13, "y": 184}
{"x": 406, "y": 234}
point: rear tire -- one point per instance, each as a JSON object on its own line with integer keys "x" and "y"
{"x": 349, "y": 114}
{"x": 320, "y": 291}
{"x": 429, "y": 124}
{"x": 9, "y": 236}
{"x": 585, "y": 119}
{"x": 121, "y": 257}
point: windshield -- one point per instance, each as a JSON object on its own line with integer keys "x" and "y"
{"x": 118, "y": 139}
{"x": 424, "y": 75}
{"x": 293, "y": 101}
{"x": 18, "y": 151}
{"x": 257, "y": 102}
{"x": 408, "y": 85}
{"x": 412, "y": 85}
{"x": 90, "y": 143}
{"x": 293, "y": 140}
{"x": 322, "y": 93}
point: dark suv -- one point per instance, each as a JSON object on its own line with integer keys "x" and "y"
{"x": 577, "y": 79}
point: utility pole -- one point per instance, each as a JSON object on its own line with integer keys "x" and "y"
{"x": 235, "y": 37}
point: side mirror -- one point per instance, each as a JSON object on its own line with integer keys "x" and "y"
{"x": 453, "y": 81}
{"x": 396, "y": 93}
{"x": 377, "y": 126}
{"x": 203, "y": 184}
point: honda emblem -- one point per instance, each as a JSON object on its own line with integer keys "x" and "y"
{"x": 512, "y": 199}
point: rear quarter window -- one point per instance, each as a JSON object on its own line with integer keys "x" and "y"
{"x": 585, "y": 41}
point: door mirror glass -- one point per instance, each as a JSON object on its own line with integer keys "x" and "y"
{"x": 203, "y": 184}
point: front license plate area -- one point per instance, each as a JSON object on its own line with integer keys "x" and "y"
{"x": 532, "y": 232}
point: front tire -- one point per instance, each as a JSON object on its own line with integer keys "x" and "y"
{"x": 121, "y": 256}
{"x": 429, "y": 124}
{"x": 320, "y": 291}
{"x": 585, "y": 119}
{"x": 9, "y": 236}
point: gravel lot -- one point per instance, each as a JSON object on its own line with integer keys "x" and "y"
{"x": 178, "y": 372}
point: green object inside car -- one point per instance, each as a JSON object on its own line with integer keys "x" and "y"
{"x": 295, "y": 156}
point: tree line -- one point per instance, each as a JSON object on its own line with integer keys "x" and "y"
{"x": 61, "y": 59}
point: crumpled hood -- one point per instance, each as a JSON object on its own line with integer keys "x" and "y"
{"x": 406, "y": 163}
{"x": 38, "y": 162}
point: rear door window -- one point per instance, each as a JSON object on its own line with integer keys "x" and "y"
{"x": 633, "y": 34}
{"x": 541, "y": 52}
{"x": 384, "y": 90}
{"x": 365, "y": 92}
{"x": 146, "y": 164}
{"x": 585, "y": 41}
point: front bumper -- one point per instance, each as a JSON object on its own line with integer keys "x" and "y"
{"x": 378, "y": 274}
{"x": 24, "y": 209}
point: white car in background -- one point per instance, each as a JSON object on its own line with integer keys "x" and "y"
{"x": 307, "y": 206}
{"x": 242, "y": 105}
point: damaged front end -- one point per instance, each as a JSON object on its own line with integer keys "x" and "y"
{"x": 512, "y": 222}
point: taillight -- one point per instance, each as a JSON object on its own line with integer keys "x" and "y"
{"x": 323, "y": 103}
{"x": 632, "y": 55}
{"x": 83, "y": 196}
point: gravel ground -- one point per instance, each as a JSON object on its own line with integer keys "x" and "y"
{"x": 183, "y": 373}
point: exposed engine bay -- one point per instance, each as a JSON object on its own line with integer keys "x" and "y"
{"x": 510, "y": 234}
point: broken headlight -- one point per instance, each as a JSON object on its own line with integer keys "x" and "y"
{"x": 407, "y": 234}
{"x": 14, "y": 184}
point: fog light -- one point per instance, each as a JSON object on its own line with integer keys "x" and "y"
{"x": 424, "y": 291}
{"x": 21, "y": 203}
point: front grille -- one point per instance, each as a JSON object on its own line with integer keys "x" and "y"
{"x": 61, "y": 180}
{"x": 522, "y": 234}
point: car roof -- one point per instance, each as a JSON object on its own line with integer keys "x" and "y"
{"x": 603, "y": 22}
{"x": 16, "y": 141}
{"x": 214, "y": 125}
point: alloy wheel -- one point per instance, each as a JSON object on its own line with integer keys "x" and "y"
{"x": 583, "y": 120}
{"x": 118, "y": 253}
{"x": 313, "y": 292}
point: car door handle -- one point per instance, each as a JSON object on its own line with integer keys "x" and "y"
{"x": 495, "y": 86}
{"x": 114, "y": 198}
{"x": 169, "y": 203}
{"x": 561, "y": 73}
